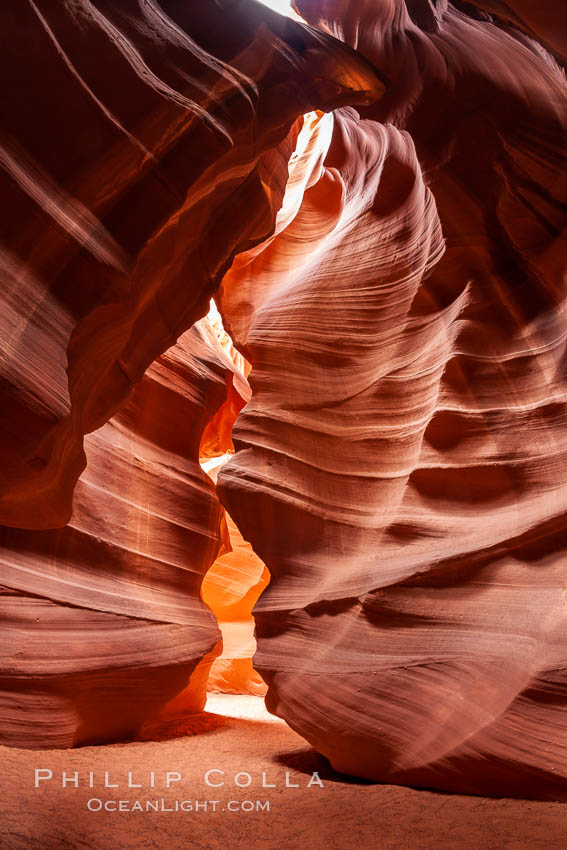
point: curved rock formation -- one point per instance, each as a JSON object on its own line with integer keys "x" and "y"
{"x": 132, "y": 137}
{"x": 103, "y": 624}
{"x": 401, "y": 466}
{"x": 231, "y": 588}
{"x": 541, "y": 20}
{"x": 122, "y": 214}
{"x": 236, "y": 579}
{"x": 217, "y": 436}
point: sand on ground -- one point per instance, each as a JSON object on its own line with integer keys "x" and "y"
{"x": 237, "y": 736}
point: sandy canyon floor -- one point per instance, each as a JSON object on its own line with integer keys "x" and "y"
{"x": 236, "y": 735}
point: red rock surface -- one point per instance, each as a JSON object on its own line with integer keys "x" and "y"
{"x": 132, "y": 139}
{"x": 236, "y": 579}
{"x": 133, "y": 136}
{"x": 541, "y": 20}
{"x": 103, "y": 624}
{"x": 400, "y": 468}
{"x": 231, "y": 588}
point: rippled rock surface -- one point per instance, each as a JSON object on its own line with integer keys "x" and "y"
{"x": 139, "y": 152}
{"x": 377, "y": 199}
{"x": 401, "y": 465}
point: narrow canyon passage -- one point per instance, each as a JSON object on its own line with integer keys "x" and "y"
{"x": 348, "y": 497}
{"x": 235, "y": 580}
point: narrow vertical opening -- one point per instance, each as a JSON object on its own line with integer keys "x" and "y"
{"x": 236, "y": 579}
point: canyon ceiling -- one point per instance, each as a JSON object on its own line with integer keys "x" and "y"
{"x": 376, "y": 198}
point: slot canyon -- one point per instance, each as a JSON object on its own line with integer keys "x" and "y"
{"x": 284, "y": 398}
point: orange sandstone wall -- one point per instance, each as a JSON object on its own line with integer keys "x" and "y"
{"x": 132, "y": 140}
{"x": 231, "y": 588}
{"x": 401, "y": 466}
{"x": 236, "y": 579}
{"x": 102, "y": 620}
{"x": 133, "y": 137}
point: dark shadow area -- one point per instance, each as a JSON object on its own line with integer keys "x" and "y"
{"x": 308, "y": 761}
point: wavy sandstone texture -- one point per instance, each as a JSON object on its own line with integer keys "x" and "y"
{"x": 133, "y": 136}
{"x": 231, "y": 588}
{"x": 103, "y": 624}
{"x": 237, "y": 577}
{"x": 401, "y": 466}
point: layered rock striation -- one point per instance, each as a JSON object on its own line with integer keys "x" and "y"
{"x": 395, "y": 276}
{"x": 400, "y": 468}
{"x": 231, "y": 588}
{"x": 103, "y": 625}
{"x": 133, "y": 137}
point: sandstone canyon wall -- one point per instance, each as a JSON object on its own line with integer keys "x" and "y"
{"x": 129, "y": 152}
{"x": 102, "y": 620}
{"x": 395, "y": 276}
{"x": 142, "y": 146}
{"x": 231, "y": 589}
{"x": 401, "y": 465}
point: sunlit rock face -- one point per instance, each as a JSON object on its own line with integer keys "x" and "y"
{"x": 133, "y": 139}
{"x": 143, "y": 145}
{"x": 401, "y": 466}
{"x": 236, "y": 579}
{"x": 216, "y": 441}
{"x": 231, "y": 588}
{"x": 396, "y": 279}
